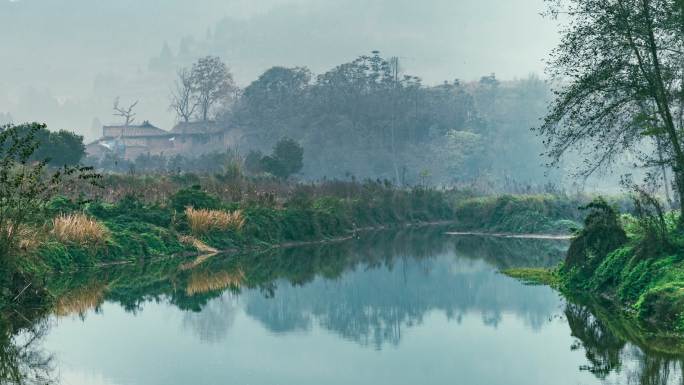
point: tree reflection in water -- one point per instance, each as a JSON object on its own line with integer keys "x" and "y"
{"x": 22, "y": 360}
{"x": 367, "y": 291}
{"x": 614, "y": 348}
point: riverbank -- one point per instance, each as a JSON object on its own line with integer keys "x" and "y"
{"x": 636, "y": 265}
{"x": 134, "y": 220}
{"x": 193, "y": 220}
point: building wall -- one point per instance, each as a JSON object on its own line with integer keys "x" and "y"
{"x": 182, "y": 144}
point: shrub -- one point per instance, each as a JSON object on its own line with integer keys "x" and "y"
{"x": 663, "y": 305}
{"x": 602, "y": 233}
{"x": 78, "y": 228}
{"x": 652, "y": 226}
{"x": 202, "y": 221}
{"x": 286, "y": 159}
{"x": 27, "y": 185}
{"x": 194, "y": 197}
{"x": 518, "y": 214}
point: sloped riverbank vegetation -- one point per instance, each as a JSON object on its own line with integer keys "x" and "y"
{"x": 635, "y": 263}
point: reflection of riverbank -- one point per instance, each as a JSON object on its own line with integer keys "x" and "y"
{"x": 375, "y": 292}
{"x": 511, "y": 235}
{"x": 22, "y": 357}
{"x": 191, "y": 288}
{"x": 619, "y": 350}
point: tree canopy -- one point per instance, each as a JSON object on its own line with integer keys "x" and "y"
{"x": 618, "y": 71}
{"x": 369, "y": 118}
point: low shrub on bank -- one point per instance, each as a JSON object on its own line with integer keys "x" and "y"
{"x": 602, "y": 233}
{"x": 519, "y": 213}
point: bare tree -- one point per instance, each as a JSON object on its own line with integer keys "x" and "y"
{"x": 183, "y": 99}
{"x": 212, "y": 82}
{"x": 125, "y": 112}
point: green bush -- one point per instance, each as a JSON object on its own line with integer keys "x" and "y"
{"x": 602, "y": 233}
{"x": 517, "y": 214}
{"x": 194, "y": 197}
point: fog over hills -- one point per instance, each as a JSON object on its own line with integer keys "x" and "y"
{"x": 64, "y": 61}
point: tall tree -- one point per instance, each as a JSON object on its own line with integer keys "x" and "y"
{"x": 183, "y": 99}
{"x": 212, "y": 82}
{"x": 275, "y": 103}
{"x": 619, "y": 67}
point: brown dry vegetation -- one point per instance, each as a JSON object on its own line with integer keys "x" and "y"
{"x": 79, "y": 228}
{"x": 203, "y": 282}
{"x": 202, "y": 221}
{"x": 79, "y": 301}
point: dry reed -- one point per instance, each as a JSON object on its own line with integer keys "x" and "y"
{"x": 78, "y": 228}
{"x": 202, "y": 221}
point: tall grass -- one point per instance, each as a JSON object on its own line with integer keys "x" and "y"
{"x": 202, "y": 221}
{"x": 79, "y": 228}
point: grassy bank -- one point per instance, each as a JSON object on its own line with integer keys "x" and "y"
{"x": 87, "y": 233}
{"x": 634, "y": 262}
{"x": 137, "y": 218}
{"x": 140, "y": 218}
{"x": 533, "y": 214}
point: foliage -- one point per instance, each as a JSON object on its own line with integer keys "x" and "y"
{"x": 518, "y": 214}
{"x": 652, "y": 226}
{"x": 369, "y": 119}
{"x": 212, "y": 83}
{"x": 287, "y": 159}
{"x": 26, "y": 185}
{"x": 253, "y": 162}
{"x": 602, "y": 233}
{"x": 642, "y": 272}
{"x": 194, "y": 197}
{"x": 62, "y": 148}
{"x": 533, "y": 276}
{"x": 619, "y": 84}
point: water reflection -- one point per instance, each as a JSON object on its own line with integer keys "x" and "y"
{"x": 372, "y": 294}
{"x": 373, "y": 305}
{"x": 211, "y": 325}
{"x": 618, "y": 351}
{"x": 22, "y": 358}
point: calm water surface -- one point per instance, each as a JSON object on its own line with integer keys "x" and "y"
{"x": 413, "y": 308}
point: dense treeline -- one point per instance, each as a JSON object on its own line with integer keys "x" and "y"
{"x": 369, "y": 119}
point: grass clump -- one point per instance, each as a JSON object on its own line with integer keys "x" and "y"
{"x": 202, "y": 221}
{"x": 77, "y": 228}
{"x": 534, "y": 275}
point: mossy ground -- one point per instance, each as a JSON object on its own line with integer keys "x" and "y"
{"x": 534, "y": 276}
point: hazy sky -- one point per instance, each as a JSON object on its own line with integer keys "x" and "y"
{"x": 63, "y": 61}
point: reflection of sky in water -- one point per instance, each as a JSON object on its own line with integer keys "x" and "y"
{"x": 442, "y": 320}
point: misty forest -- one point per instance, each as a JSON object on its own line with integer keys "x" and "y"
{"x": 366, "y": 192}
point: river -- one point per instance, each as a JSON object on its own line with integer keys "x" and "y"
{"x": 416, "y": 307}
